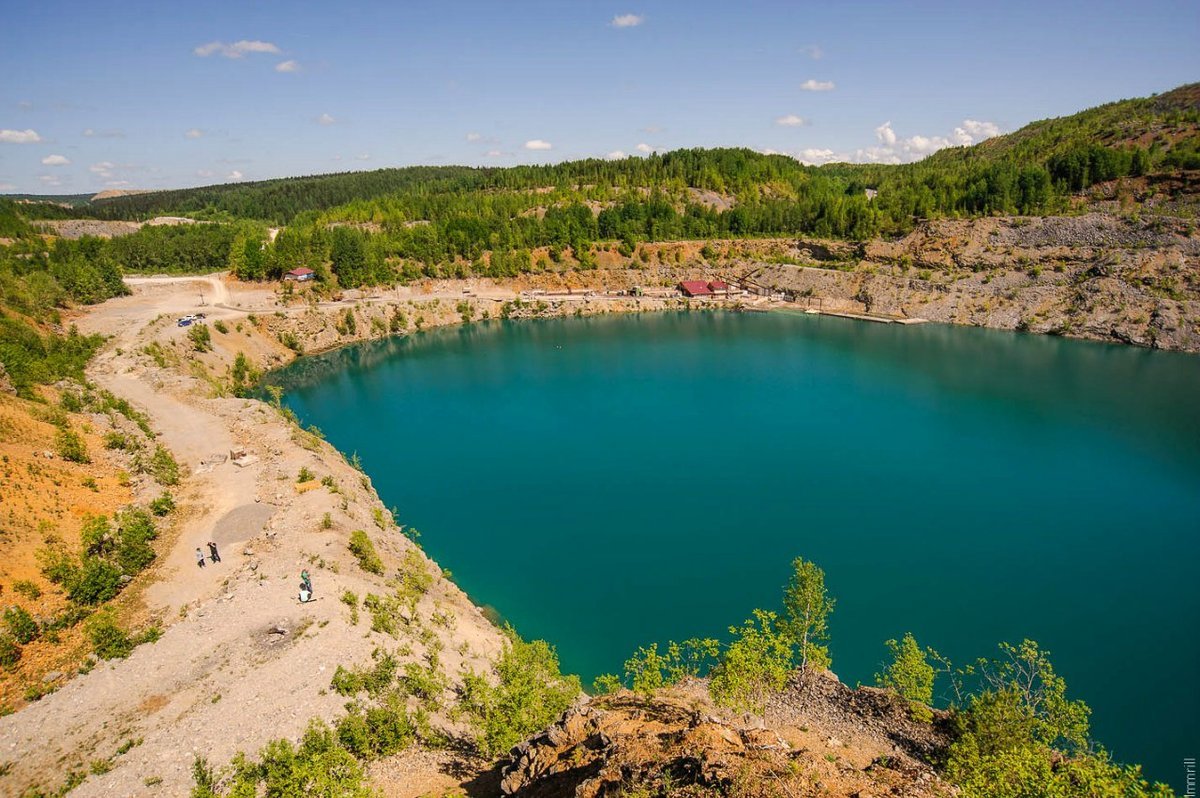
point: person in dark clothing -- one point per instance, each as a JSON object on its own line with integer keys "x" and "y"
{"x": 212, "y": 552}
{"x": 199, "y": 557}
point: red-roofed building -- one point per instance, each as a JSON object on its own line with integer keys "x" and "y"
{"x": 719, "y": 287}
{"x": 695, "y": 288}
{"x": 300, "y": 275}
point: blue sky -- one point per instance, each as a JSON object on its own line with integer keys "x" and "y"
{"x": 163, "y": 94}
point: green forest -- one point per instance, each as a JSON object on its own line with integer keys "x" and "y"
{"x": 396, "y": 225}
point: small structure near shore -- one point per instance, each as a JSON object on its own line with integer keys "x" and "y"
{"x": 697, "y": 288}
{"x": 693, "y": 288}
{"x": 300, "y": 275}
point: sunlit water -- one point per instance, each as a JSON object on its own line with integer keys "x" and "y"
{"x": 608, "y": 482}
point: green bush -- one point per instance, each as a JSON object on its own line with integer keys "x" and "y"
{"x": 135, "y": 530}
{"x": 163, "y": 467}
{"x": 319, "y": 767}
{"x": 27, "y": 589}
{"x": 910, "y": 675}
{"x": 755, "y": 664}
{"x": 109, "y": 640}
{"x": 163, "y": 505}
{"x": 526, "y": 692}
{"x": 200, "y": 337}
{"x": 10, "y": 651}
{"x": 377, "y": 732}
{"x": 70, "y": 446}
{"x": 362, "y": 548}
{"x": 95, "y": 582}
{"x": 21, "y": 625}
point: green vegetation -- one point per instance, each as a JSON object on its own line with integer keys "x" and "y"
{"x": 20, "y": 625}
{"x": 754, "y": 665}
{"x": 200, "y": 337}
{"x": 910, "y": 674}
{"x": 528, "y": 693}
{"x": 108, "y": 639}
{"x": 362, "y": 548}
{"x": 111, "y": 550}
{"x": 319, "y": 766}
{"x": 808, "y": 607}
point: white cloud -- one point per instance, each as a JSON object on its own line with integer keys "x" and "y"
{"x": 55, "y": 160}
{"x": 287, "y": 66}
{"x": 893, "y": 148}
{"x": 885, "y": 134}
{"x": 627, "y": 20}
{"x": 817, "y": 85}
{"x": 194, "y": 133}
{"x": 7, "y": 186}
{"x": 494, "y": 154}
{"x": 973, "y": 130}
{"x": 117, "y": 183}
{"x": 234, "y": 175}
{"x": 538, "y": 144}
{"x": 814, "y": 156}
{"x": 474, "y": 136}
{"x": 325, "y": 119}
{"x": 204, "y": 173}
{"x": 237, "y": 49}
{"x": 28, "y": 136}
{"x": 791, "y": 120}
{"x": 616, "y": 155}
{"x": 102, "y": 169}
{"x": 644, "y": 147}
{"x": 363, "y": 157}
{"x": 812, "y": 51}
{"x": 50, "y": 180}
{"x": 114, "y": 133}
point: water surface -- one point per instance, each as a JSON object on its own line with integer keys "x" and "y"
{"x": 611, "y": 481}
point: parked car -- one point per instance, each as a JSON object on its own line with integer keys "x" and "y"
{"x": 184, "y": 322}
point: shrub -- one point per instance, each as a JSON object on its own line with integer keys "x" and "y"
{"x": 57, "y": 564}
{"x": 528, "y": 693}
{"x": 10, "y": 651}
{"x": 220, "y": 327}
{"x": 163, "y": 505}
{"x": 27, "y": 589}
{"x": 648, "y": 670}
{"x": 163, "y": 467}
{"x": 200, "y": 337}
{"x": 362, "y": 548}
{"x": 606, "y": 683}
{"x": 135, "y": 530}
{"x": 116, "y": 440}
{"x": 70, "y": 446}
{"x": 755, "y": 664}
{"x": 96, "y": 582}
{"x": 305, "y": 475}
{"x": 109, "y": 640}
{"x": 910, "y": 675}
{"x": 380, "y": 731}
{"x": 21, "y": 625}
{"x": 319, "y": 766}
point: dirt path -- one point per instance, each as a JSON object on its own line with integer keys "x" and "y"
{"x": 240, "y": 662}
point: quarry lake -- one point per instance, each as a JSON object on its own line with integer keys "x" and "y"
{"x": 608, "y": 482}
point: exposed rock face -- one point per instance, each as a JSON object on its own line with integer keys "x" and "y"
{"x": 818, "y": 735}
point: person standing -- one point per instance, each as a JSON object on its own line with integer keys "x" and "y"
{"x": 199, "y": 557}
{"x": 214, "y": 555}
{"x": 306, "y": 580}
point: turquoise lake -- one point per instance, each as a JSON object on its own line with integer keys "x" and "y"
{"x": 608, "y": 482}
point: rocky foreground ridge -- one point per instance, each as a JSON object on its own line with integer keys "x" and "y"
{"x": 818, "y": 737}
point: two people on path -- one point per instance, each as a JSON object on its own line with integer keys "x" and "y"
{"x": 214, "y": 555}
{"x": 306, "y": 590}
